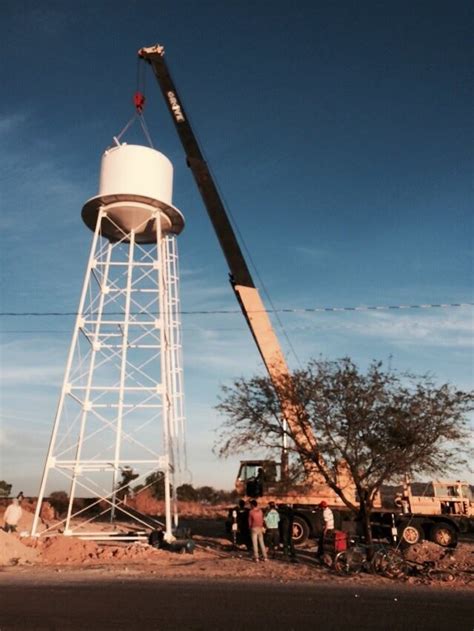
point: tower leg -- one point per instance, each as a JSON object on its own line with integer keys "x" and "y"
{"x": 49, "y": 463}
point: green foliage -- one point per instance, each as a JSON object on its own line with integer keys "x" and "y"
{"x": 187, "y": 493}
{"x": 59, "y": 500}
{"x": 210, "y": 495}
{"x": 5, "y": 489}
{"x": 123, "y": 486}
{"x": 156, "y": 482}
{"x": 207, "y": 494}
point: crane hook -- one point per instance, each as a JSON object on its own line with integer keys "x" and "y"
{"x": 139, "y": 101}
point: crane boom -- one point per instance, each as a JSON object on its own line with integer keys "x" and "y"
{"x": 248, "y": 297}
{"x": 244, "y": 288}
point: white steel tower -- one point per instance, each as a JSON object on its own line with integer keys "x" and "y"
{"x": 120, "y": 413}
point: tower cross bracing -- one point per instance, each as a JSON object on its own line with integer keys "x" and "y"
{"x": 121, "y": 406}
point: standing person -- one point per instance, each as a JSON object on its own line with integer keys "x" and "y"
{"x": 256, "y": 523}
{"x": 240, "y": 525}
{"x": 243, "y": 530}
{"x": 272, "y": 519}
{"x": 328, "y": 526}
{"x": 12, "y": 516}
{"x": 260, "y": 482}
{"x": 286, "y": 531}
{"x": 234, "y": 526}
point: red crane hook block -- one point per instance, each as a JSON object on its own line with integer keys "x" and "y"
{"x": 139, "y": 101}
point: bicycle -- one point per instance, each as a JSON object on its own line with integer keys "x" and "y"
{"x": 384, "y": 560}
{"x": 430, "y": 570}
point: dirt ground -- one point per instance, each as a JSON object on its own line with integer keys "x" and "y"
{"x": 213, "y": 557}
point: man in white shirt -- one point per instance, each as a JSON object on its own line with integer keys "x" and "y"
{"x": 12, "y": 516}
{"x": 328, "y": 526}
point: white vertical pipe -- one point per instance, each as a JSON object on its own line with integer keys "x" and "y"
{"x": 123, "y": 370}
{"x": 172, "y": 368}
{"x": 163, "y": 304}
{"x": 178, "y": 372}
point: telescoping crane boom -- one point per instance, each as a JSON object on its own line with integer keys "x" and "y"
{"x": 241, "y": 280}
{"x": 242, "y": 283}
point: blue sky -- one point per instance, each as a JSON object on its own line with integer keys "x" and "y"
{"x": 340, "y": 135}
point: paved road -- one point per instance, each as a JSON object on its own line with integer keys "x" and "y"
{"x": 126, "y": 604}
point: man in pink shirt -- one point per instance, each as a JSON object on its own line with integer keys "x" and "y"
{"x": 256, "y": 524}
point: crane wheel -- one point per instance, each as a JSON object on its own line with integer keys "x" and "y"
{"x": 300, "y": 531}
{"x": 410, "y": 534}
{"x": 444, "y": 535}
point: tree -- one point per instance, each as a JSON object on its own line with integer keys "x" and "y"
{"x": 5, "y": 489}
{"x": 187, "y": 493}
{"x": 59, "y": 500}
{"x": 377, "y": 426}
{"x": 123, "y": 486}
{"x": 207, "y": 494}
{"x": 156, "y": 482}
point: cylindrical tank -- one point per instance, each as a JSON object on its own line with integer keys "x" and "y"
{"x": 135, "y": 182}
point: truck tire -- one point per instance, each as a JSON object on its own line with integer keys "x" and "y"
{"x": 410, "y": 534}
{"x": 300, "y": 531}
{"x": 444, "y": 535}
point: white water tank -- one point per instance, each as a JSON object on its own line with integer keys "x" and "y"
{"x": 135, "y": 183}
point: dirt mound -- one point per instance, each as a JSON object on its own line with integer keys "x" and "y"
{"x": 132, "y": 552}
{"x": 47, "y": 513}
{"x": 63, "y": 550}
{"x": 13, "y": 551}
{"x": 461, "y": 557}
{"x": 67, "y": 550}
{"x": 26, "y": 522}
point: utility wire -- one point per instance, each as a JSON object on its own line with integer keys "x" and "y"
{"x": 279, "y": 310}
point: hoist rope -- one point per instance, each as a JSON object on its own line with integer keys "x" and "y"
{"x": 126, "y": 128}
{"x": 141, "y": 118}
{"x": 139, "y": 103}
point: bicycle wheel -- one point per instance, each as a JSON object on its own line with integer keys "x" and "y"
{"x": 379, "y": 559}
{"x": 446, "y": 576}
{"x": 349, "y": 561}
{"x": 389, "y": 563}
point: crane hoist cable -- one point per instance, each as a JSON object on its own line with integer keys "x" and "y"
{"x": 139, "y": 103}
{"x": 139, "y": 100}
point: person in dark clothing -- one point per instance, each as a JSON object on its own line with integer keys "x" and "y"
{"x": 286, "y": 531}
{"x": 240, "y": 525}
{"x": 260, "y": 482}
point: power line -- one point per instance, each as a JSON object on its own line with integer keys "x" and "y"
{"x": 274, "y": 310}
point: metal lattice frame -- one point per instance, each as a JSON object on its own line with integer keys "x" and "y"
{"x": 121, "y": 405}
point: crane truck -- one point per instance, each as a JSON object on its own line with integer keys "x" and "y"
{"x": 306, "y": 498}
